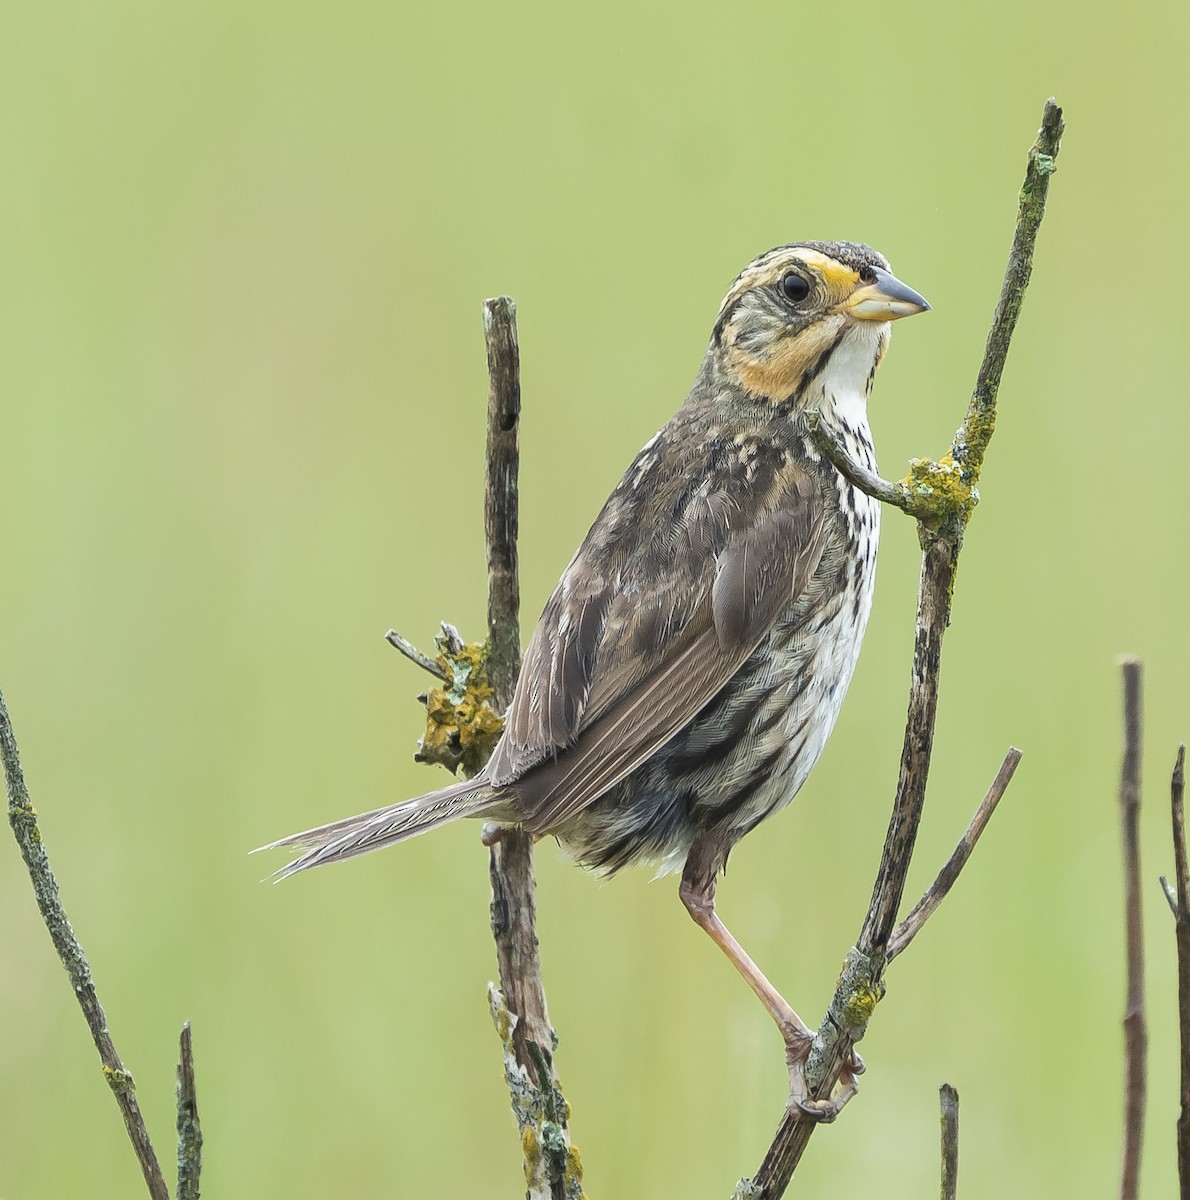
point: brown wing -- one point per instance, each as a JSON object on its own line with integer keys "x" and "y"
{"x": 670, "y": 592}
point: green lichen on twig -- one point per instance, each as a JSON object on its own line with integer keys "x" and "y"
{"x": 120, "y": 1081}
{"x": 942, "y": 493}
{"x": 553, "y": 1167}
{"x": 462, "y": 727}
{"x": 936, "y": 490}
{"x": 860, "y": 987}
{"x": 971, "y": 441}
{"x": 946, "y": 496}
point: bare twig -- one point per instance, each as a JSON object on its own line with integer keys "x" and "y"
{"x": 1177, "y": 792}
{"x": 551, "y": 1168}
{"x": 948, "y": 1100}
{"x": 909, "y": 928}
{"x": 971, "y": 441}
{"x": 941, "y": 532}
{"x": 189, "y": 1126}
{"x": 896, "y": 494}
{"x": 1135, "y": 1033}
{"x": 1181, "y": 890}
{"x": 23, "y": 819}
{"x": 411, "y": 652}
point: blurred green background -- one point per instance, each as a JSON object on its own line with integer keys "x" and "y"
{"x": 245, "y": 246}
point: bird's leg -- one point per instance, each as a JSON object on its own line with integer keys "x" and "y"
{"x": 697, "y": 891}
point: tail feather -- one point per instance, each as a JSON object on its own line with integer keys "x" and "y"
{"x": 384, "y": 826}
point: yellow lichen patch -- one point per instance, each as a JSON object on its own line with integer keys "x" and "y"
{"x": 574, "y": 1164}
{"x": 973, "y": 437}
{"x": 939, "y": 489}
{"x": 120, "y": 1082}
{"x": 501, "y": 1017}
{"x": 461, "y": 726}
{"x": 860, "y": 1005}
{"x": 531, "y": 1152}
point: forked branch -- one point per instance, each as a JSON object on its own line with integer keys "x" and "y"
{"x": 23, "y": 819}
{"x": 941, "y": 495}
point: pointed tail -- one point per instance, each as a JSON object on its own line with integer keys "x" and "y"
{"x": 384, "y": 826}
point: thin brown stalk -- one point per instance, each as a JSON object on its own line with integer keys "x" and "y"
{"x": 23, "y": 819}
{"x": 921, "y": 912}
{"x": 1135, "y": 1032}
{"x": 1181, "y": 896}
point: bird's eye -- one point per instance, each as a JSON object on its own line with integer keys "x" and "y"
{"x": 794, "y": 286}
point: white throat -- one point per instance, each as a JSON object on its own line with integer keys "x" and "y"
{"x": 845, "y": 381}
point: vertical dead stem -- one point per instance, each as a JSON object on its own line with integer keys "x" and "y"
{"x": 551, "y": 1166}
{"x": 1135, "y": 1033}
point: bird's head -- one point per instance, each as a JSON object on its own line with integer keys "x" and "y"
{"x": 799, "y": 309}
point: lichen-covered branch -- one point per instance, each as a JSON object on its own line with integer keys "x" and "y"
{"x": 463, "y": 723}
{"x": 861, "y": 982}
{"x": 971, "y": 441}
{"x": 552, "y": 1167}
{"x": 947, "y": 489}
{"x": 945, "y": 495}
{"x": 23, "y": 819}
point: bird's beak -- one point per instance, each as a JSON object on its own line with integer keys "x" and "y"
{"x": 885, "y": 300}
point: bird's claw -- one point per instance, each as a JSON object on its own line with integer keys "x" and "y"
{"x": 823, "y": 1111}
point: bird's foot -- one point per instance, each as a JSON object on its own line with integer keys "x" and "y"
{"x": 797, "y": 1053}
{"x": 492, "y": 832}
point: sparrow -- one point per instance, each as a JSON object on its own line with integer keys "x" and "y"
{"x": 691, "y": 663}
